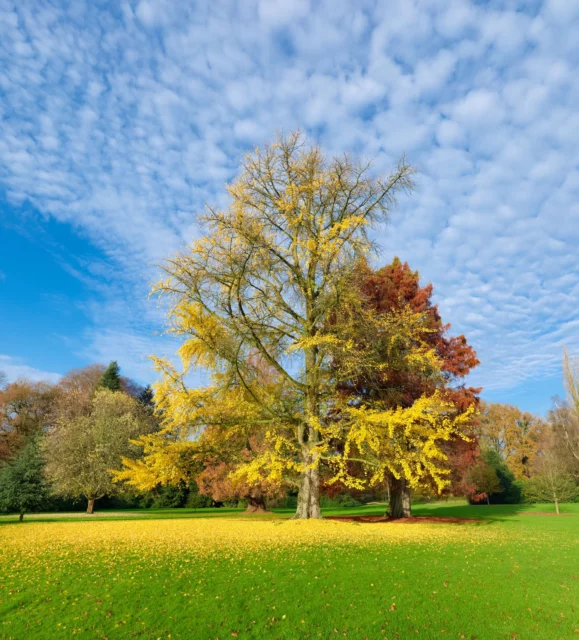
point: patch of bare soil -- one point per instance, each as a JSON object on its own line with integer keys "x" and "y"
{"x": 410, "y": 520}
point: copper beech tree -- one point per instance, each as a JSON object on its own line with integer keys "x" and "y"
{"x": 389, "y": 291}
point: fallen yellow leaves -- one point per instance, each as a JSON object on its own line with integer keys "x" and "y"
{"x": 236, "y": 535}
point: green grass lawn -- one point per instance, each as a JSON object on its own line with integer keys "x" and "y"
{"x": 220, "y": 574}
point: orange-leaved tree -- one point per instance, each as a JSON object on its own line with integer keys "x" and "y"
{"x": 513, "y": 434}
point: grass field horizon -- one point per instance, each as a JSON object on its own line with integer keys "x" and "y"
{"x": 453, "y": 508}
{"x": 221, "y": 574}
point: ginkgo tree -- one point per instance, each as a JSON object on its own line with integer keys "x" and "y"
{"x": 271, "y": 283}
{"x": 265, "y": 277}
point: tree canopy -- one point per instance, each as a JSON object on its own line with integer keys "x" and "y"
{"x": 273, "y": 284}
{"x": 82, "y": 450}
{"x": 25, "y": 410}
{"x": 111, "y": 378}
{"x": 513, "y": 434}
{"x": 22, "y": 484}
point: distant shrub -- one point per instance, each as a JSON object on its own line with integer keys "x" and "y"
{"x": 170, "y": 497}
{"x": 533, "y": 495}
{"x": 341, "y": 500}
{"x": 196, "y": 501}
{"x": 285, "y": 502}
{"x": 511, "y": 489}
{"x": 232, "y": 504}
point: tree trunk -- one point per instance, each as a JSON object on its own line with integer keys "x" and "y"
{"x": 400, "y": 506}
{"x": 488, "y": 501}
{"x": 90, "y": 506}
{"x": 309, "y": 496}
{"x": 308, "y": 437}
{"x": 556, "y": 505}
{"x": 21, "y": 517}
{"x": 255, "y": 505}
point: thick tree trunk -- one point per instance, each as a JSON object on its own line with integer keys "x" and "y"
{"x": 21, "y": 517}
{"x": 255, "y": 505}
{"x": 308, "y": 437}
{"x": 90, "y": 506}
{"x": 400, "y": 506}
{"x": 309, "y": 496}
{"x": 556, "y": 505}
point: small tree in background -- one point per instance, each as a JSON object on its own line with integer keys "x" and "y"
{"x": 81, "y": 451}
{"x": 111, "y": 377}
{"x": 566, "y": 424}
{"x": 147, "y": 397}
{"x": 552, "y": 482}
{"x": 511, "y": 433}
{"x": 484, "y": 481}
{"x": 22, "y": 485}
{"x": 511, "y": 492}
{"x": 564, "y": 435}
{"x": 220, "y": 483}
{"x": 25, "y": 410}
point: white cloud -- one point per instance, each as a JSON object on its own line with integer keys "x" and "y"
{"x": 15, "y": 369}
{"x": 275, "y": 13}
{"x": 124, "y": 124}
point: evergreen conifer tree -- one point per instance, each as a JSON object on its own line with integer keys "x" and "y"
{"x": 111, "y": 377}
{"x": 146, "y": 397}
{"x": 22, "y": 485}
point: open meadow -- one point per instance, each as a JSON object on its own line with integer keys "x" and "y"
{"x": 216, "y": 573}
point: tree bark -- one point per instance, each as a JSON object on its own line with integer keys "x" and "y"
{"x": 556, "y": 505}
{"x": 309, "y": 496}
{"x": 400, "y": 505}
{"x": 256, "y": 505}
{"x": 90, "y": 506}
{"x": 21, "y": 517}
{"x": 308, "y": 437}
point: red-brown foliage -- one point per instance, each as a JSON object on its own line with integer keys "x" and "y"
{"x": 393, "y": 288}
{"x": 396, "y": 286}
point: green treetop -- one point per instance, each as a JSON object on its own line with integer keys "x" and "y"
{"x": 111, "y": 377}
{"x": 22, "y": 486}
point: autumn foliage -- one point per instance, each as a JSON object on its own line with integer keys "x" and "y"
{"x": 393, "y": 290}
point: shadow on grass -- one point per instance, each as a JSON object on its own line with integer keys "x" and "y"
{"x": 463, "y": 510}
{"x": 460, "y": 511}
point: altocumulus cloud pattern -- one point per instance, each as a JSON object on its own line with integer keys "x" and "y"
{"x": 124, "y": 118}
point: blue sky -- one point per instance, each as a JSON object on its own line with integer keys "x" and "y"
{"x": 121, "y": 119}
